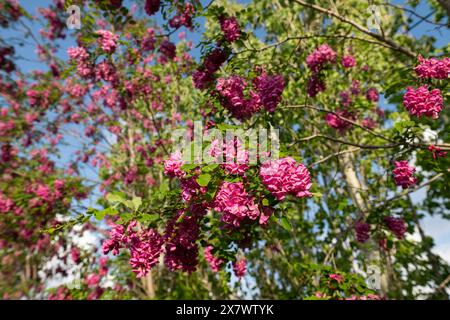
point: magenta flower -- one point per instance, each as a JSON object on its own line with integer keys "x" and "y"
{"x": 152, "y": 6}
{"x": 240, "y": 267}
{"x": 362, "y": 231}
{"x": 269, "y": 89}
{"x": 433, "y": 68}
{"x": 214, "y": 263}
{"x": 107, "y": 40}
{"x": 284, "y": 176}
{"x": 235, "y": 204}
{"x": 336, "y": 121}
{"x": 396, "y": 225}
{"x": 315, "y": 85}
{"x": 422, "y": 102}
{"x": 230, "y": 28}
{"x": 372, "y": 95}
{"x": 348, "y": 61}
{"x": 320, "y": 57}
{"x": 403, "y": 174}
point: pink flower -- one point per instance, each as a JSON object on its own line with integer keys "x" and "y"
{"x": 230, "y": 28}
{"x": 240, "y": 267}
{"x": 336, "y": 277}
{"x": 233, "y": 99}
{"x": 214, "y": 262}
{"x": 362, "y": 231}
{"x": 269, "y": 89}
{"x": 145, "y": 251}
{"x": 92, "y": 280}
{"x": 202, "y": 79}
{"x": 107, "y": 40}
{"x": 172, "y": 166}
{"x": 421, "y": 102}
{"x": 214, "y": 60}
{"x": 152, "y": 6}
{"x": 235, "y": 204}
{"x": 396, "y": 225}
{"x": 167, "y": 49}
{"x": 372, "y": 94}
{"x": 320, "y": 57}
{"x": 75, "y": 254}
{"x": 348, "y": 61}
{"x": 315, "y": 85}
{"x": 284, "y": 176}
{"x": 181, "y": 235}
{"x": 436, "y": 151}
{"x": 78, "y": 53}
{"x": 6, "y": 204}
{"x": 433, "y": 68}
{"x": 368, "y": 123}
{"x": 337, "y": 121}
{"x": 403, "y": 174}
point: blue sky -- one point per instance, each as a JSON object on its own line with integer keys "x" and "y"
{"x": 435, "y": 226}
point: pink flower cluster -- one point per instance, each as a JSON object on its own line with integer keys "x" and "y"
{"x": 240, "y": 267}
{"x": 167, "y": 49}
{"x": 269, "y": 89}
{"x": 172, "y": 166}
{"x": 183, "y": 18}
{"x": 372, "y": 95}
{"x": 107, "y": 40}
{"x": 235, "y": 204}
{"x": 396, "y": 225}
{"x": 152, "y": 6}
{"x": 284, "y": 176}
{"x": 6, "y": 204}
{"x": 422, "y": 102}
{"x": 214, "y": 263}
{"x": 233, "y": 98}
{"x": 433, "y": 68}
{"x": 335, "y": 120}
{"x": 204, "y": 76}
{"x": 145, "y": 246}
{"x": 348, "y": 61}
{"x": 181, "y": 235}
{"x": 232, "y": 154}
{"x": 436, "y": 151}
{"x": 320, "y": 57}
{"x": 403, "y": 174}
{"x": 266, "y": 92}
{"x": 230, "y": 28}
{"x": 362, "y": 231}
{"x": 315, "y": 85}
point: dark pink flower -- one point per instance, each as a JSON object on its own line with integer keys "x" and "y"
{"x": 372, "y": 94}
{"x": 284, "y": 176}
{"x": 152, "y": 6}
{"x": 348, "y": 61}
{"x": 396, "y": 225}
{"x": 320, "y": 57}
{"x": 422, "y": 102}
{"x": 403, "y": 174}
{"x": 240, "y": 267}
{"x": 214, "y": 263}
{"x": 230, "y": 28}
{"x": 362, "y": 231}
{"x": 433, "y": 68}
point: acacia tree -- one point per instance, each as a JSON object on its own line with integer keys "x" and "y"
{"x": 334, "y": 205}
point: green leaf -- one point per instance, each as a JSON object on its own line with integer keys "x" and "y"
{"x": 204, "y": 179}
{"x": 114, "y": 197}
{"x": 137, "y": 202}
{"x": 189, "y": 166}
{"x": 285, "y": 223}
{"x": 210, "y": 167}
